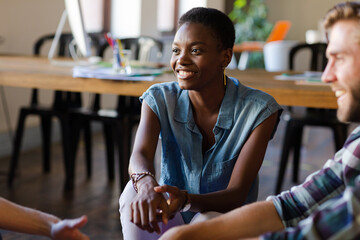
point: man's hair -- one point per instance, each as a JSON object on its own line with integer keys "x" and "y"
{"x": 220, "y": 24}
{"x": 342, "y": 11}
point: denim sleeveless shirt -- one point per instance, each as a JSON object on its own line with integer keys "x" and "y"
{"x": 182, "y": 162}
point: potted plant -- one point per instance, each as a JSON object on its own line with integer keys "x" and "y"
{"x": 251, "y": 24}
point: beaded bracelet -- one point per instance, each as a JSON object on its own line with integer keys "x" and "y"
{"x": 136, "y": 177}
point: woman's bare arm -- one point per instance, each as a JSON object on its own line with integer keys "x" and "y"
{"x": 147, "y": 203}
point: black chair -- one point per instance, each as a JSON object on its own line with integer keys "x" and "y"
{"x": 62, "y": 105}
{"x": 295, "y": 123}
{"x": 119, "y": 122}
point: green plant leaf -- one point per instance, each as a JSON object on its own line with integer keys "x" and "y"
{"x": 239, "y": 3}
{"x": 251, "y": 24}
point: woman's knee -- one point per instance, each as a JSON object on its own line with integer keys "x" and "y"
{"x": 126, "y": 196}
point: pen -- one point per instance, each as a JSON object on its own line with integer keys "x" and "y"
{"x": 116, "y": 54}
{"x": 121, "y": 52}
{"x": 108, "y": 39}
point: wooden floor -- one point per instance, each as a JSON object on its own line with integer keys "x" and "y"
{"x": 95, "y": 197}
{"x": 98, "y": 198}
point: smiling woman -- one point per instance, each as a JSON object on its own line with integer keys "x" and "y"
{"x": 214, "y": 133}
{"x": 199, "y": 62}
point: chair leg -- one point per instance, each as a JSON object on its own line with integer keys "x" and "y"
{"x": 46, "y": 141}
{"x": 129, "y": 137}
{"x": 126, "y": 134}
{"x": 123, "y": 160}
{"x": 287, "y": 146}
{"x": 297, "y": 153}
{"x": 16, "y": 147}
{"x": 69, "y": 138}
{"x": 88, "y": 146}
{"x": 109, "y": 142}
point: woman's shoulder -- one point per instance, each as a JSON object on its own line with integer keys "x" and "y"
{"x": 249, "y": 93}
{"x": 164, "y": 87}
{"x": 162, "y": 92}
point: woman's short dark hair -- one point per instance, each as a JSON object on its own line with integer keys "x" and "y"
{"x": 217, "y": 21}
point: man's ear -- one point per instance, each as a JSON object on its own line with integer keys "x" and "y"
{"x": 227, "y": 56}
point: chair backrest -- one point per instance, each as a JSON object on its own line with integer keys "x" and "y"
{"x": 63, "y": 100}
{"x": 143, "y": 48}
{"x": 96, "y": 40}
{"x": 64, "y": 42}
{"x": 318, "y": 55}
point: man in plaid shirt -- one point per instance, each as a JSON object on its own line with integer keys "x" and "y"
{"x": 327, "y": 204}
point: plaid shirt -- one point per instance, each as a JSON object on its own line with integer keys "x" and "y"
{"x": 327, "y": 204}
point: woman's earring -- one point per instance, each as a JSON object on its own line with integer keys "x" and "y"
{"x": 224, "y": 78}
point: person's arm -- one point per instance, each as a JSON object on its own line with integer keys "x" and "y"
{"x": 334, "y": 219}
{"x": 245, "y": 222}
{"x": 147, "y": 203}
{"x": 244, "y": 173}
{"x": 17, "y": 218}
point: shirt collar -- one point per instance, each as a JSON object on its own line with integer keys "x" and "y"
{"x": 183, "y": 111}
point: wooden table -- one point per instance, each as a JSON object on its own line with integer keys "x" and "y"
{"x": 37, "y": 72}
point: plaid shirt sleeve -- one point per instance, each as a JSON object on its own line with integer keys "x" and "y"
{"x": 327, "y": 204}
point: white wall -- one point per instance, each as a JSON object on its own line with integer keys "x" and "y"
{"x": 148, "y": 18}
{"x": 218, "y": 4}
{"x": 22, "y": 22}
{"x": 304, "y": 14}
{"x": 186, "y": 5}
{"x": 124, "y": 15}
{"x": 126, "y": 21}
{"x": 163, "y": 22}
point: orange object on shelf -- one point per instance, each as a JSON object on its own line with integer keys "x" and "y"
{"x": 279, "y": 31}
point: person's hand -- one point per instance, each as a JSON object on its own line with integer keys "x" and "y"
{"x": 177, "y": 198}
{"x": 146, "y": 209}
{"x": 68, "y": 229}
